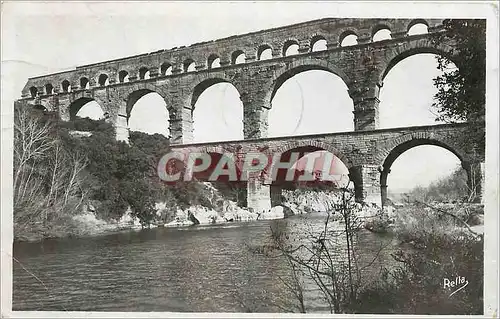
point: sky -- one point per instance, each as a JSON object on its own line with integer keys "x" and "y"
{"x": 40, "y": 38}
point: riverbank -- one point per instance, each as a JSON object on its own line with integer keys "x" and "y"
{"x": 87, "y": 224}
{"x": 146, "y": 260}
{"x": 408, "y": 222}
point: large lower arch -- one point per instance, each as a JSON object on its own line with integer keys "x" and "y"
{"x": 216, "y": 110}
{"x": 95, "y": 110}
{"x": 153, "y": 116}
{"x": 395, "y": 151}
{"x": 216, "y": 158}
{"x": 317, "y": 158}
{"x": 391, "y": 149}
{"x": 314, "y": 146}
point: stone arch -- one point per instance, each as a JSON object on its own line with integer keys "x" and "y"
{"x": 228, "y": 95}
{"x": 78, "y": 103}
{"x": 296, "y": 67}
{"x": 188, "y": 65}
{"x": 84, "y": 83}
{"x": 138, "y": 92}
{"x": 49, "y": 88}
{"x": 211, "y": 59}
{"x": 407, "y": 49}
{"x": 414, "y": 22}
{"x": 318, "y": 145}
{"x": 379, "y": 27}
{"x": 287, "y": 44}
{"x": 122, "y": 76}
{"x": 235, "y": 55}
{"x": 346, "y": 33}
{"x": 103, "y": 79}
{"x": 33, "y": 91}
{"x": 401, "y": 144}
{"x": 166, "y": 69}
{"x": 315, "y": 39}
{"x": 39, "y": 107}
{"x": 311, "y": 146}
{"x": 143, "y": 73}
{"x": 216, "y": 153}
{"x": 263, "y": 47}
{"x": 199, "y": 87}
{"x": 392, "y": 149}
{"x": 47, "y": 105}
{"x": 65, "y": 86}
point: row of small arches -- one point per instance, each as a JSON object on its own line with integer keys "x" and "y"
{"x": 264, "y": 52}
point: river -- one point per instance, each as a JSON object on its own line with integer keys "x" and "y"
{"x": 190, "y": 269}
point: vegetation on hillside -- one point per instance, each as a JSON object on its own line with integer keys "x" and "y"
{"x": 452, "y": 189}
{"x": 58, "y": 170}
{"x": 49, "y": 181}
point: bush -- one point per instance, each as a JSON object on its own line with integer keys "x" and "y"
{"x": 451, "y": 189}
{"x": 440, "y": 249}
{"x": 114, "y": 176}
{"x": 418, "y": 224}
{"x": 416, "y": 286}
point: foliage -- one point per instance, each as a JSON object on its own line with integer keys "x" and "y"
{"x": 49, "y": 184}
{"x": 436, "y": 243}
{"x": 124, "y": 175}
{"x": 437, "y": 246}
{"x": 420, "y": 223}
{"x": 449, "y": 189}
{"x": 87, "y": 125}
{"x": 461, "y": 94}
{"x": 461, "y": 91}
{"x": 416, "y": 286}
{"x": 117, "y": 176}
{"x": 337, "y": 277}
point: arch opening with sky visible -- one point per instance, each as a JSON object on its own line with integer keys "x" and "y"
{"x": 419, "y": 27}
{"x": 264, "y": 52}
{"x": 318, "y": 43}
{"x": 408, "y": 90}
{"x": 406, "y": 99}
{"x": 217, "y": 112}
{"x": 147, "y": 112}
{"x": 412, "y": 167}
{"x": 86, "y": 108}
{"x": 311, "y": 102}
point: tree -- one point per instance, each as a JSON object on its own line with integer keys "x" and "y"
{"x": 48, "y": 179}
{"x": 336, "y": 274}
{"x": 461, "y": 91}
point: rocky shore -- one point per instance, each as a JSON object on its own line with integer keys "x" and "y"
{"x": 370, "y": 217}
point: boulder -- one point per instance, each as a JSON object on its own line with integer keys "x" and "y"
{"x": 193, "y": 219}
{"x": 288, "y": 211}
{"x": 277, "y": 212}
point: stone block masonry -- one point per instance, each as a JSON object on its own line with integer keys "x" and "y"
{"x": 367, "y": 152}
